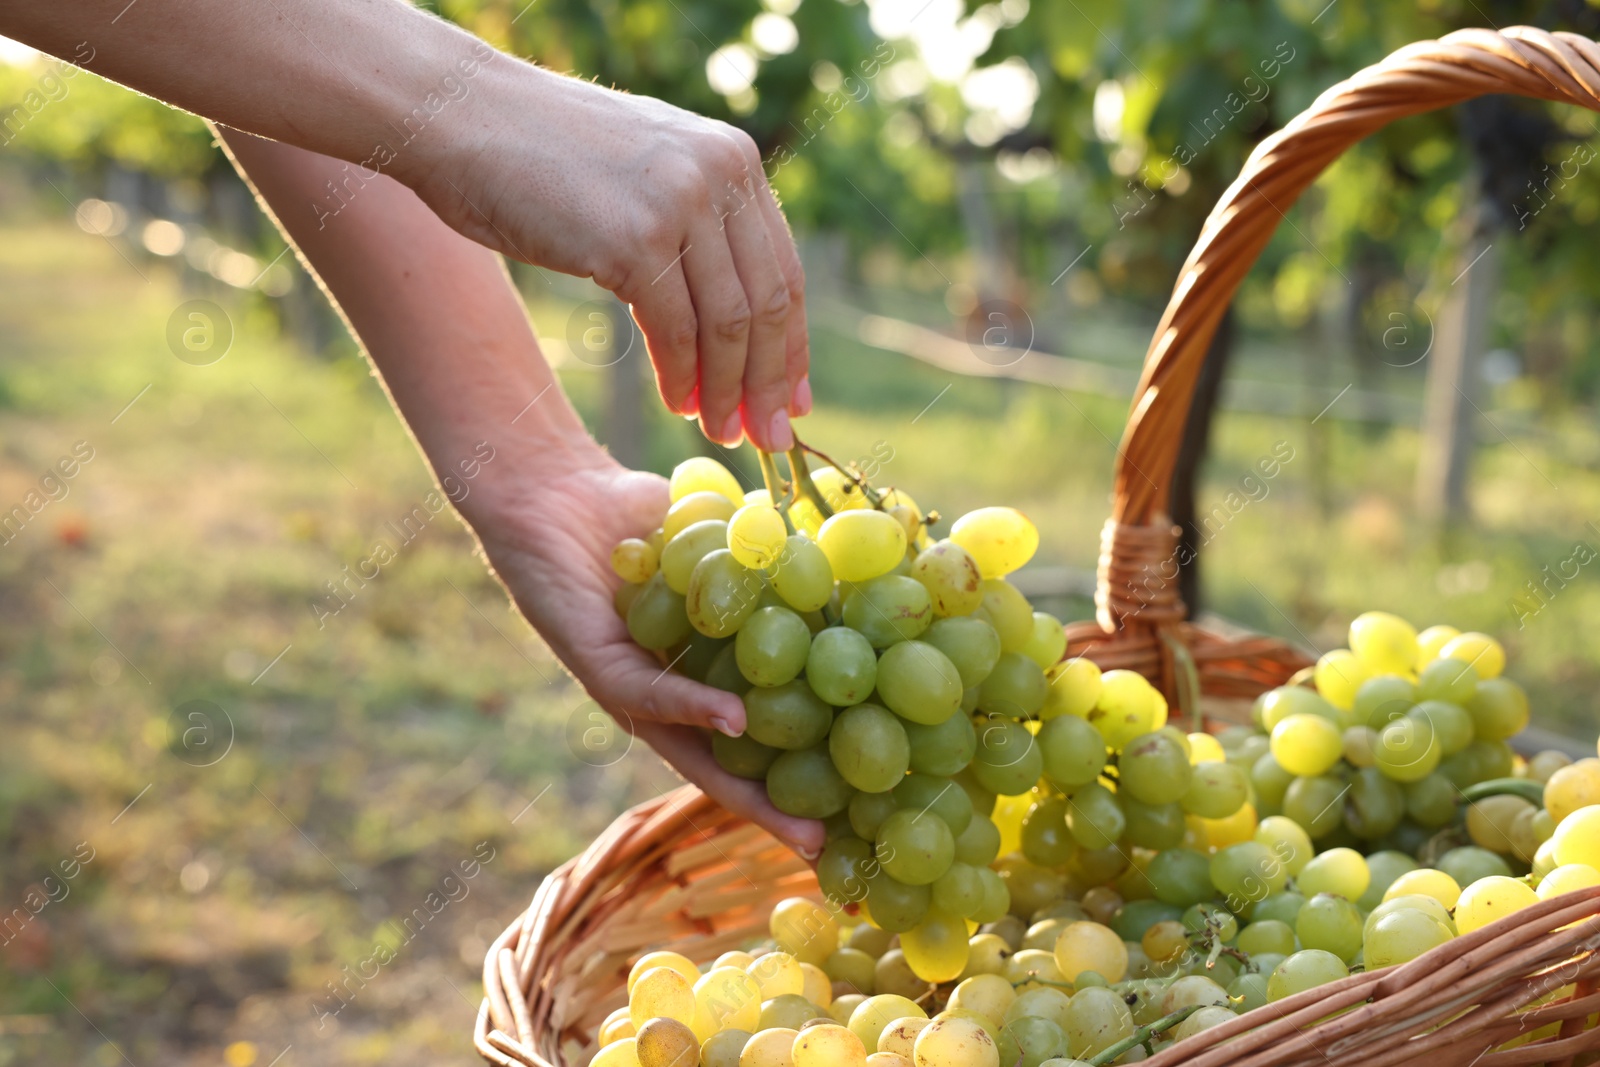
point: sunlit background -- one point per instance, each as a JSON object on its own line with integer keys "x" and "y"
{"x": 1049, "y": 162}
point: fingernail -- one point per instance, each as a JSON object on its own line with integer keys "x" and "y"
{"x": 779, "y": 435}
{"x": 732, "y": 430}
{"x": 802, "y": 397}
{"x": 809, "y": 853}
{"x": 722, "y": 726}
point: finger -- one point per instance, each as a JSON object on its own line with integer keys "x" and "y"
{"x": 766, "y": 389}
{"x": 666, "y": 316}
{"x": 631, "y": 683}
{"x": 723, "y": 313}
{"x": 797, "y": 337}
{"x": 690, "y": 754}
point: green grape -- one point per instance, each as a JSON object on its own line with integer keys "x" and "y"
{"x": 1286, "y": 700}
{"x": 841, "y": 666}
{"x": 1305, "y": 970}
{"x": 1247, "y": 873}
{"x": 721, "y": 1049}
{"x": 925, "y": 793}
{"x": 703, "y": 506}
{"x": 851, "y": 966}
{"x": 802, "y": 782}
{"x": 1451, "y": 723}
{"x": 772, "y": 647}
{"x": 1182, "y": 876}
{"x": 1220, "y": 921}
{"x": 802, "y": 575}
{"x": 700, "y": 473}
{"x": 1408, "y": 749}
{"x": 1074, "y": 689}
{"x": 1008, "y": 761}
{"x": 1029, "y": 1042}
{"x": 723, "y": 673}
{"x": 1374, "y": 805}
{"x": 1267, "y": 935}
{"x": 1049, "y": 641}
{"x": 787, "y": 716}
{"x": 996, "y": 897}
{"x": 941, "y": 749}
{"x": 787, "y": 1010}
{"x": 1418, "y": 902}
{"x": 869, "y": 748}
{"x": 1469, "y": 863}
{"x": 1384, "y": 642}
{"x": 1360, "y": 746}
{"x": 895, "y": 905}
{"x": 1136, "y": 917}
{"x": 634, "y": 561}
{"x": 1330, "y": 923}
{"x": 837, "y": 825}
{"x": 1152, "y": 826}
{"x": 868, "y": 810}
{"x": 1155, "y": 770}
{"x": 1402, "y": 936}
{"x": 970, "y": 643}
{"x": 1046, "y": 1002}
{"x": 1282, "y": 907}
{"x": 1307, "y": 745}
{"x": 1127, "y": 708}
{"x": 1315, "y": 803}
{"x": 1495, "y": 757}
{"x": 1008, "y": 611}
{"x": 959, "y": 890}
{"x": 1098, "y": 866}
{"x": 982, "y": 797}
{"x": 979, "y": 843}
{"x": 1073, "y": 752}
{"x": 843, "y": 868}
{"x": 1340, "y": 871}
{"x": 1093, "y": 817}
{"x": 656, "y": 618}
{"x": 1247, "y": 992}
{"x": 861, "y": 545}
{"x": 887, "y": 610}
{"x": 743, "y": 756}
{"x": 1431, "y": 800}
{"x": 1270, "y": 782}
{"x": 918, "y": 682}
{"x": 1015, "y": 687}
{"x": 936, "y": 948}
{"x": 1382, "y": 699}
{"x": 722, "y": 594}
{"x": 1288, "y": 841}
{"x": 1450, "y": 680}
{"x": 1096, "y": 1019}
{"x": 623, "y": 599}
{"x": 1250, "y": 749}
{"x": 1499, "y": 709}
{"x": 1216, "y": 790}
{"x": 683, "y": 552}
{"x": 1383, "y": 868}
{"x": 915, "y": 847}
{"x": 757, "y": 535}
{"x": 951, "y": 577}
{"x": 1045, "y": 838}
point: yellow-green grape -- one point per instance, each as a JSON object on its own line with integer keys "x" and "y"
{"x": 873, "y": 1015}
{"x": 1074, "y": 689}
{"x": 1426, "y": 882}
{"x": 1401, "y": 936}
{"x": 839, "y": 489}
{"x": 1499, "y": 709}
{"x": 1043, "y": 1003}
{"x": 955, "y": 1042}
{"x": 1410, "y": 902}
{"x": 722, "y": 1048}
{"x": 893, "y": 976}
{"x": 770, "y": 1048}
{"x": 619, "y": 1053}
{"x": 1307, "y": 745}
{"x": 951, "y": 577}
{"x": 696, "y": 507}
{"x": 1491, "y": 898}
{"x": 1089, "y": 946}
{"x": 790, "y": 1010}
{"x": 1305, "y": 970}
{"x": 1190, "y": 990}
{"x": 1096, "y": 1019}
{"x": 1384, "y": 643}
{"x": 777, "y": 974}
{"x": 1342, "y": 871}
{"x": 936, "y": 948}
{"x": 889, "y": 1059}
{"x": 1216, "y": 790}
{"x": 616, "y": 1026}
{"x": 844, "y": 1006}
{"x": 683, "y": 552}
{"x": 819, "y": 987}
{"x": 1480, "y": 650}
{"x": 1008, "y": 611}
{"x": 1361, "y": 746}
{"x": 900, "y": 1036}
{"x": 1577, "y": 838}
{"x": 804, "y": 929}
{"x": 656, "y": 617}
{"x": 1543, "y": 764}
{"x": 1431, "y": 642}
{"x": 1568, "y": 878}
{"x": 661, "y": 993}
{"x": 722, "y": 594}
{"x": 1165, "y": 940}
{"x": 1229, "y": 830}
{"x": 1001, "y": 540}
{"x": 1125, "y": 709}
{"x": 1033, "y": 969}
{"x": 862, "y": 544}
{"x": 1204, "y": 1019}
{"x": 1048, "y": 643}
{"x": 1572, "y": 787}
{"x": 651, "y": 960}
{"x": 666, "y": 1043}
{"x": 726, "y": 998}
{"x": 756, "y": 535}
{"x": 988, "y": 995}
{"x": 736, "y": 958}
{"x": 851, "y": 967}
{"x": 1408, "y": 749}
{"x": 1489, "y": 821}
{"x": 828, "y": 1045}
{"x": 634, "y": 560}
{"x": 1204, "y": 748}
{"x": 703, "y": 474}
{"x": 986, "y": 954}
{"x": 1338, "y": 675}
{"x": 624, "y": 597}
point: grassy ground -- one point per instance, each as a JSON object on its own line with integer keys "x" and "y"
{"x": 225, "y": 868}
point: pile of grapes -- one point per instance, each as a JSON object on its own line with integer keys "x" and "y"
{"x": 1021, "y": 846}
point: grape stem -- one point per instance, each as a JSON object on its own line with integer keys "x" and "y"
{"x": 873, "y": 496}
{"x": 801, "y": 474}
{"x": 1143, "y": 1036}
{"x": 1527, "y": 788}
{"x": 781, "y": 492}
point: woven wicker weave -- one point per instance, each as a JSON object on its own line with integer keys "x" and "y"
{"x": 679, "y": 872}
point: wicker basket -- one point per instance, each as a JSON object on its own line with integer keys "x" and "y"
{"x": 680, "y": 872}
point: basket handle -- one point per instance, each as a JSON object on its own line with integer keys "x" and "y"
{"x": 1420, "y": 77}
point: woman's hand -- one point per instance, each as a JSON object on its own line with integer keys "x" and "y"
{"x": 669, "y": 210}
{"x": 554, "y": 556}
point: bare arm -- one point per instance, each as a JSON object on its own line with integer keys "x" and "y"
{"x": 669, "y": 210}
{"x": 439, "y": 317}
